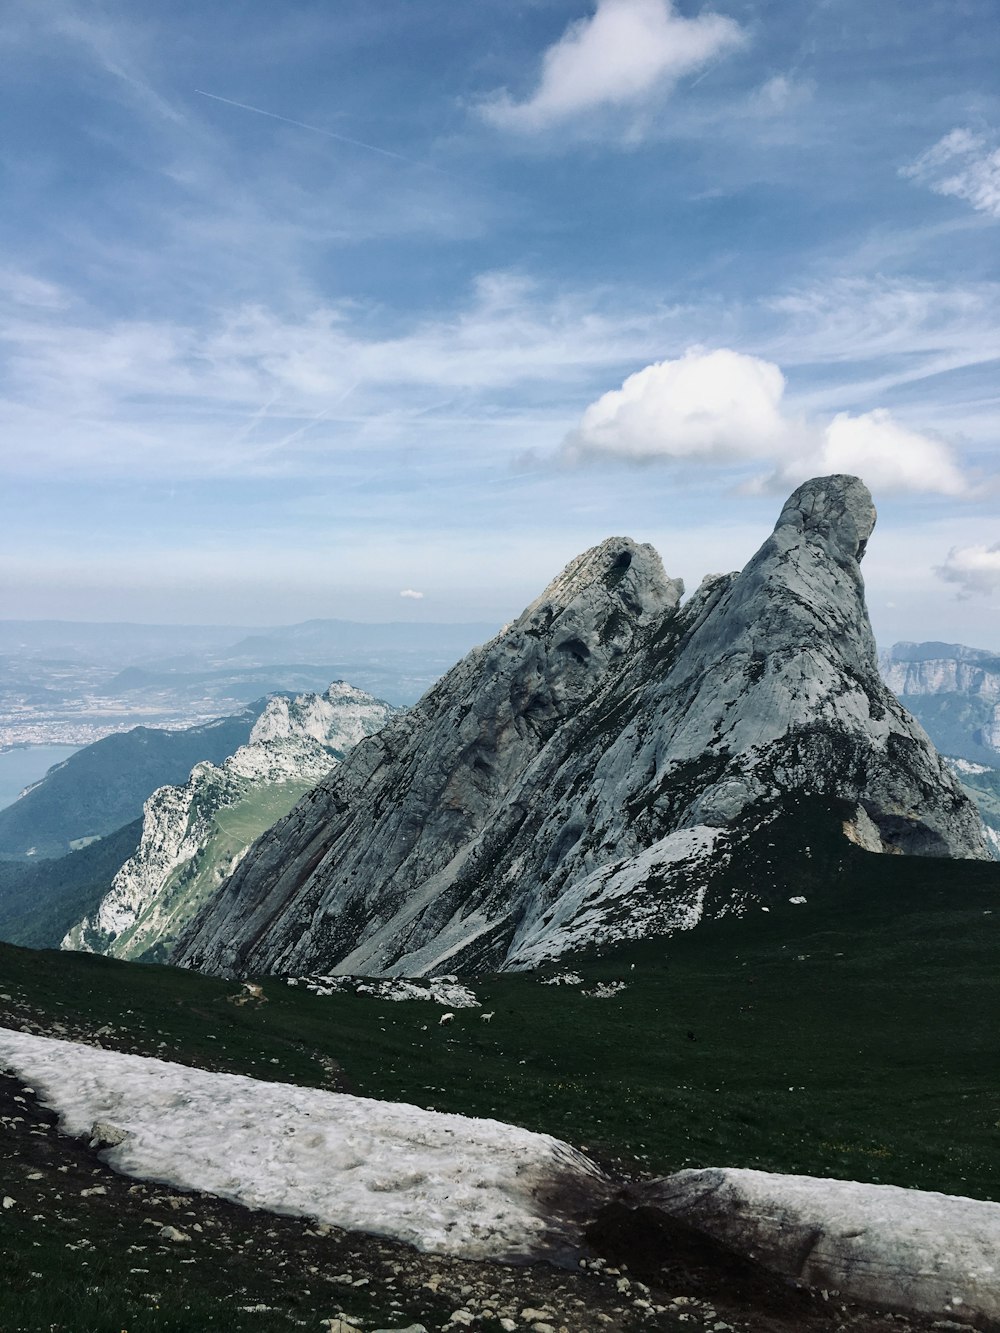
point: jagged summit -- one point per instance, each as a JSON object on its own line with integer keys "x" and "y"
{"x": 633, "y": 571}
{"x": 588, "y": 774}
{"x": 837, "y": 511}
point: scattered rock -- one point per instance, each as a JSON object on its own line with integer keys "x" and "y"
{"x": 104, "y": 1135}
{"x": 172, "y": 1233}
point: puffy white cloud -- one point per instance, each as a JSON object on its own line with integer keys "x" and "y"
{"x": 964, "y": 165}
{"x": 626, "y": 51}
{"x": 976, "y": 569}
{"x": 718, "y": 405}
{"x": 889, "y": 456}
{"x": 412, "y": 594}
{"x": 726, "y": 407}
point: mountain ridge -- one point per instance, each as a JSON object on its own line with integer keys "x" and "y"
{"x": 192, "y": 833}
{"x": 601, "y": 752}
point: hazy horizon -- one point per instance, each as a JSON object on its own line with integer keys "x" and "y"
{"x": 387, "y": 313}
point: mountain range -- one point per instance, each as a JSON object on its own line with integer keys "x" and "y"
{"x": 103, "y": 786}
{"x": 595, "y": 772}
{"x": 194, "y": 833}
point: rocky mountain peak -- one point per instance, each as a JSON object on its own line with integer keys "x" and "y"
{"x": 618, "y": 571}
{"x": 837, "y": 511}
{"x": 588, "y": 775}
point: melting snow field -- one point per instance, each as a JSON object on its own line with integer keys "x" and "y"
{"x": 444, "y": 1183}
{"x": 909, "y": 1249}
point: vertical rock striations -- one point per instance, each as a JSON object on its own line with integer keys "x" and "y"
{"x": 193, "y": 835}
{"x": 586, "y": 775}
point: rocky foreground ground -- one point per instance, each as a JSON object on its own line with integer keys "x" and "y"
{"x": 146, "y": 1247}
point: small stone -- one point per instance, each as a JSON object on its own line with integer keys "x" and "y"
{"x": 339, "y": 1326}
{"x": 462, "y": 1318}
{"x": 105, "y": 1135}
{"x": 171, "y": 1233}
{"x": 95, "y": 1189}
{"x": 8, "y": 1202}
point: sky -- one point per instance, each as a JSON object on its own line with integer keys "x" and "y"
{"x": 385, "y": 312}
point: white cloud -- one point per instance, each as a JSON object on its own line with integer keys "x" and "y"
{"x": 963, "y": 165}
{"x": 718, "y": 405}
{"x": 625, "y": 52}
{"x": 412, "y": 593}
{"x": 976, "y": 569}
{"x": 889, "y": 456}
{"x": 723, "y": 406}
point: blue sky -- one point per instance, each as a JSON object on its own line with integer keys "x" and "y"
{"x": 312, "y": 305}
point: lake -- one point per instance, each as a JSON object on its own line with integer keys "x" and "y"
{"x": 18, "y": 768}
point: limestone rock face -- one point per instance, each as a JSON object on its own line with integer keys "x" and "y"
{"x": 195, "y": 833}
{"x": 583, "y": 777}
{"x": 955, "y": 693}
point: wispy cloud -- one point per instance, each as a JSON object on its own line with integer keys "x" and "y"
{"x": 964, "y": 165}
{"x": 314, "y": 129}
{"x": 149, "y": 395}
{"x": 625, "y": 53}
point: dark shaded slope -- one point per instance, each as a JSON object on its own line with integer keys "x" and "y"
{"x": 104, "y": 785}
{"x": 39, "y": 901}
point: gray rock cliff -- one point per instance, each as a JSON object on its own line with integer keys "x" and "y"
{"x": 583, "y": 777}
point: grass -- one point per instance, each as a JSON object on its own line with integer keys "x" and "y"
{"x": 852, "y": 1036}
{"x": 191, "y": 884}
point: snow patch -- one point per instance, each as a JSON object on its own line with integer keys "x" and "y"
{"x": 605, "y": 989}
{"x": 908, "y": 1249}
{"x": 440, "y": 990}
{"x": 563, "y": 979}
{"x": 660, "y": 890}
{"x": 443, "y": 1183}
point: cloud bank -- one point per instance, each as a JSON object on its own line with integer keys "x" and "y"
{"x": 627, "y": 51}
{"x": 725, "y": 407}
{"x": 964, "y": 165}
{"x": 976, "y": 569}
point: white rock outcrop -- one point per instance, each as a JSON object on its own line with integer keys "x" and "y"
{"x": 188, "y": 845}
{"x": 587, "y": 775}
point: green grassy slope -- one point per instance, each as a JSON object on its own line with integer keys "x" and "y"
{"x": 194, "y": 882}
{"x": 853, "y": 1036}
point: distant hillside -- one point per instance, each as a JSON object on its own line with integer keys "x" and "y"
{"x": 40, "y": 900}
{"x": 954, "y": 693}
{"x": 103, "y": 786}
{"x": 193, "y": 835}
